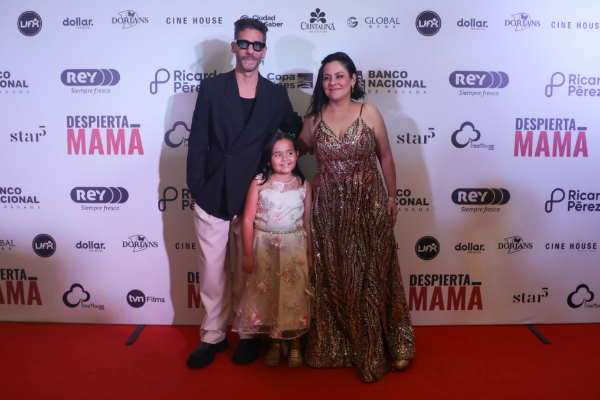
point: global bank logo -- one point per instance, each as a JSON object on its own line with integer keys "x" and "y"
{"x": 29, "y": 23}
{"x": 374, "y": 22}
{"x": 580, "y": 86}
{"x": 90, "y": 77}
{"x": 129, "y": 19}
{"x": 478, "y": 80}
{"x": 467, "y": 135}
{"x": 183, "y": 81}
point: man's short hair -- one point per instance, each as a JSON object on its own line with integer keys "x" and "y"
{"x": 250, "y": 23}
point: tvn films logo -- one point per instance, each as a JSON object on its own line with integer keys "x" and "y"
{"x": 521, "y": 21}
{"x": 580, "y": 86}
{"x": 467, "y": 135}
{"x": 428, "y": 23}
{"x": 427, "y": 248}
{"x": 99, "y": 132}
{"x": 478, "y": 80}
{"x": 292, "y": 81}
{"x": 198, "y": 21}
{"x": 514, "y": 244}
{"x": 28, "y": 137}
{"x": 582, "y": 296}
{"x": 476, "y": 197}
{"x": 408, "y": 138}
{"x": 563, "y": 139}
{"x": 139, "y": 243}
{"x": 409, "y": 203}
{"x": 13, "y": 198}
{"x": 129, "y": 19}
{"x": 317, "y": 23}
{"x": 374, "y": 22}
{"x": 171, "y": 194}
{"x": 9, "y": 85}
{"x": 90, "y": 77}
{"x": 178, "y": 135}
{"x": 183, "y": 81}
{"x": 78, "y": 23}
{"x": 269, "y": 20}
{"x": 578, "y": 200}
{"x": 29, "y": 23}
{"x": 136, "y": 299}
{"x": 99, "y": 195}
{"x": 77, "y": 296}
{"x": 15, "y": 283}
{"x": 44, "y": 245}
{"x": 390, "y": 82}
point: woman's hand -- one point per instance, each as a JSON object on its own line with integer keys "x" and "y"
{"x": 248, "y": 263}
{"x": 392, "y": 210}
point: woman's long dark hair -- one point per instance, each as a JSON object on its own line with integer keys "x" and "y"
{"x": 319, "y": 100}
{"x": 266, "y": 169}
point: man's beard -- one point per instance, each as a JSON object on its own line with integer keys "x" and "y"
{"x": 258, "y": 60}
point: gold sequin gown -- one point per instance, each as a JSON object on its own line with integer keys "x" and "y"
{"x": 360, "y": 315}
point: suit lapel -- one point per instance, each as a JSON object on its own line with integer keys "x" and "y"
{"x": 234, "y": 107}
{"x": 260, "y": 112}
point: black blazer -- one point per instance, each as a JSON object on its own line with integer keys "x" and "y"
{"x": 223, "y": 155}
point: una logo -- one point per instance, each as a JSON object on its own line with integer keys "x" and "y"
{"x": 99, "y": 195}
{"x": 44, "y": 245}
{"x": 29, "y": 23}
{"x": 580, "y": 296}
{"x": 136, "y": 298}
{"x": 427, "y": 248}
{"x": 90, "y": 77}
{"x": 177, "y": 135}
{"x": 479, "y": 79}
{"x": 465, "y": 135}
{"x": 480, "y": 196}
{"x": 75, "y": 295}
{"x": 428, "y": 23}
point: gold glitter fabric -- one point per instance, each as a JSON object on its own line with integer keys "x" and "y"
{"x": 360, "y": 314}
{"x": 275, "y": 300}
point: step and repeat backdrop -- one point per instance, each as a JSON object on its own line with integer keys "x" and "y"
{"x": 491, "y": 113}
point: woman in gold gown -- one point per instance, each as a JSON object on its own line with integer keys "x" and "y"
{"x": 361, "y": 316}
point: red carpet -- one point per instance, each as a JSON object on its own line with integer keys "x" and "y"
{"x": 62, "y": 361}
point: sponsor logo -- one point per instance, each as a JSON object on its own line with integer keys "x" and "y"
{"x": 390, "y": 82}
{"x": 374, "y": 22}
{"x": 428, "y": 23}
{"x": 585, "y": 26}
{"x": 136, "y": 299}
{"x": 530, "y": 298}
{"x": 478, "y": 80}
{"x": 581, "y": 247}
{"x": 427, "y": 248}
{"x": 14, "y": 283}
{"x": 77, "y": 295}
{"x": 473, "y": 24}
{"x": 582, "y": 296}
{"x": 521, "y": 21}
{"x": 139, "y": 243}
{"x": 430, "y": 292}
{"x": 91, "y": 246}
{"x": 480, "y": 197}
{"x": 407, "y": 138}
{"x": 185, "y": 246}
{"x": 471, "y": 248}
{"x": 183, "y": 81}
{"x": 100, "y": 129}
{"x": 90, "y": 77}
{"x": 292, "y": 81}
{"x": 467, "y": 135}
{"x": 13, "y": 198}
{"x": 78, "y": 23}
{"x": 129, "y": 19}
{"x": 28, "y": 137}
{"x": 578, "y": 200}
{"x": 177, "y": 135}
{"x": 317, "y": 23}
{"x": 99, "y": 195}
{"x": 171, "y": 194}
{"x": 580, "y": 86}
{"x": 563, "y": 139}
{"x": 29, "y": 23}
{"x": 352, "y": 22}
{"x": 193, "y": 284}
{"x": 514, "y": 244}
{"x": 44, "y": 245}
{"x": 19, "y": 86}
{"x": 202, "y": 21}
{"x": 408, "y": 203}
{"x": 268, "y": 20}
{"x": 7, "y": 244}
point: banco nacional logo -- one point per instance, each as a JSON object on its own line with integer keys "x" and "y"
{"x": 90, "y": 77}
{"x": 76, "y": 295}
{"x": 99, "y": 195}
{"x": 176, "y": 136}
{"x": 521, "y": 21}
{"x": 428, "y": 23}
{"x": 29, "y": 23}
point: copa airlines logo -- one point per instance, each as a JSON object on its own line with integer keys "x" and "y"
{"x": 563, "y": 138}
{"x": 582, "y": 296}
{"x": 14, "y": 198}
{"x": 99, "y": 132}
{"x": 9, "y": 85}
{"x": 390, "y": 82}
{"x": 90, "y": 77}
{"x": 480, "y": 197}
{"x": 578, "y": 200}
{"x": 139, "y": 243}
{"x": 78, "y": 296}
{"x": 580, "y": 86}
{"x": 317, "y": 23}
{"x": 428, "y": 23}
{"x": 522, "y": 21}
{"x": 374, "y": 22}
{"x": 467, "y": 135}
{"x": 129, "y": 19}
{"x": 29, "y": 23}
{"x": 99, "y": 195}
{"x": 170, "y": 194}
{"x": 78, "y": 23}
{"x": 14, "y": 284}
{"x": 268, "y": 20}
{"x": 430, "y": 296}
{"x": 479, "y": 80}
{"x": 514, "y": 244}
{"x": 178, "y": 135}
{"x": 292, "y": 81}
{"x": 44, "y": 245}
{"x": 183, "y": 81}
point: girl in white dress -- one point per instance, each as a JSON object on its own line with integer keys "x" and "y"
{"x": 275, "y": 240}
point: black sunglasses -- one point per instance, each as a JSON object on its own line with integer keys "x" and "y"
{"x": 257, "y": 46}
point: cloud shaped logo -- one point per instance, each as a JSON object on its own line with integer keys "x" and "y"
{"x": 581, "y": 295}
{"x": 75, "y": 295}
{"x": 465, "y": 135}
{"x": 177, "y": 135}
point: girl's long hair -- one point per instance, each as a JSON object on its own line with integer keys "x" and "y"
{"x": 266, "y": 169}
{"x": 319, "y": 100}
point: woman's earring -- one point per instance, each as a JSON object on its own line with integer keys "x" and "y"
{"x": 352, "y": 90}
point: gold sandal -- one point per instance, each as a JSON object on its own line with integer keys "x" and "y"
{"x": 295, "y": 357}
{"x": 400, "y": 364}
{"x": 273, "y": 356}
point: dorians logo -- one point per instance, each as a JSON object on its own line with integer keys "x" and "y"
{"x": 99, "y": 132}
{"x": 139, "y": 243}
{"x": 578, "y": 200}
{"x": 129, "y": 19}
{"x": 521, "y": 21}
{"x": 563, "y": 138}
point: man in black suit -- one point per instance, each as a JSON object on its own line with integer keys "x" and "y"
{"x": 234, "y": 113}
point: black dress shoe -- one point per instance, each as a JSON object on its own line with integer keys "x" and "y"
{"x": 205, "y": 354}
{"x": 247, "y": 351}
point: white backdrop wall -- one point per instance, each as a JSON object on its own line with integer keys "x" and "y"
{"x": 96, "y": 106}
